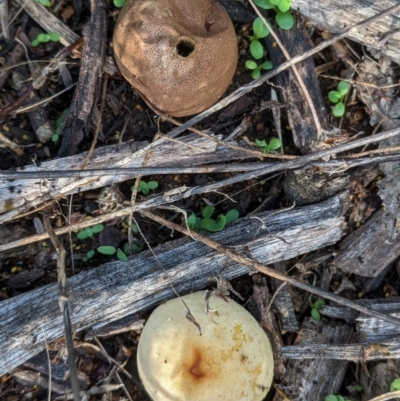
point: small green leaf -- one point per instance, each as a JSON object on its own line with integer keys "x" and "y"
{"x": 35, "y": 42}
{"x": 256, "y": 73}
{"x": 191, "y": 221}
{"x": 90, "y": 254}
{"x": 134, "y": 228}
{"x": 119, "y": 3}
{"x": 55, "y": 137}
{"x": 334, "y": 96}
{"x": 395, "y": 385}
{"x": 232, "y": 215}
{"x": 251, "y": 65}
{"x": 256, "y": 49}
{"x": 339, "y": 109}
{"x": 265, "y": 4}
{"x": 152, "y": 185}
{"x": 259, "y": 28}
{"x": 339, "y": 398}
{"x": 315, "y": 314}
{"x": 343, "y": 87}
{"x": 43, "y": 37}
{"x": 89, "y": 232}
{"x": 45, "y": 3}
{"x": 284, "y": 5}
{"x": 54, "y": 36}
{"x": 137, "y": 248}
{"x": 261, "y": 144}
{"x": 121, "y": 255}
{"x": 275, "y": 144}
{"x": 106, "y": 250}
{"x": 331, "y": 397}
{"x": 212, "y": 225}
{"x": 207, "y": 212}
{"x": 143, "y": 188}
{"x": 82, "y": 235}
{"x": 97, "y": 228}
{"x": 318, "y": 304}
{"x": 267, "y": 65}
{"x": 284, "y": 20}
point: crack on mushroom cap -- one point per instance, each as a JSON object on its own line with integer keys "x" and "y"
{"x": 172, "y": 79}
{"x": 231, "y": 360}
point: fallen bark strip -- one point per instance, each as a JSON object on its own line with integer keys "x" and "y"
{"x": 370, "y": 351}
{"x": 20, "y": 196}
{"x": 118, "y": 289}
{"x": 382, "y": 34}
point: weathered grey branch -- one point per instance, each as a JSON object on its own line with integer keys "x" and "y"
{"x": 17, "y": 197}
{"x": 118, "y": 289}
{"x": 371, "y": 351}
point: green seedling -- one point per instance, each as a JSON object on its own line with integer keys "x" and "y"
{"x": 281, "y": 7}
{"x": 119, "y": 3}
{"x": 110, "y": 250}
{"x": 395, "y": 385}
{"x": 260, "y": 31}
{"x": 56, "y": 136}
{"x": 256, "y": 69}
{"x": 45, "y": 3}
{"x": 273, "y": 144}
{"x": 135, "y": 248}
{"x": 207, "y": 223}
{"x": 46, "y": 37}
{"x": 315, "y": 307}
{"x": 88, "y": 232}
{"x": 88, "y": 256}
{"x": 337, "y": 97}
{"x": 145, "y": 187}
{"x": 332, "y": 397}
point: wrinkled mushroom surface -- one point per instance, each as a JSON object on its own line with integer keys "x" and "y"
{"x": 232, "y": 360}
{"x": 180, "y": 55}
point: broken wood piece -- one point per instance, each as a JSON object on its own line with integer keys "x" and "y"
{"x": 77, "y": 122}
{"x": 283, "y": 303}
{"x": 117, "y": 289}
{"x": 382, "y": 34}
{"x": 369, "y": 249}
{"x": 313, "y": 379}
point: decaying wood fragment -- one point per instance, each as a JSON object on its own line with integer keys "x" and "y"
{"x": 369, "y": 249}
{"x": 118, "y": 289}
{"x": 314, "y": 379}
{"x": 283, "y": 303}
{"x": 78, "y": 119}
{"x": 337, "y": 16}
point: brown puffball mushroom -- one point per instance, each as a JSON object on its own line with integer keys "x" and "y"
{"x": 231, "y": 360}
{"x": 180, "y": 55}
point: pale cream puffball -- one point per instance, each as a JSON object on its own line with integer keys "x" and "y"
{"x": 232, "y": 360}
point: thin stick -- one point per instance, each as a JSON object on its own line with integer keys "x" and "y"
{"x": 249, "y": 87}
{"x": 294, "y": 68}
{"x": 64, "y": 305}
{"x": 255, "y": 265}
{"x": 386, "y": 396}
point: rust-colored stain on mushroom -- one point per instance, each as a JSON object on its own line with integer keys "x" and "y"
{"x": 180, "y": 55}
